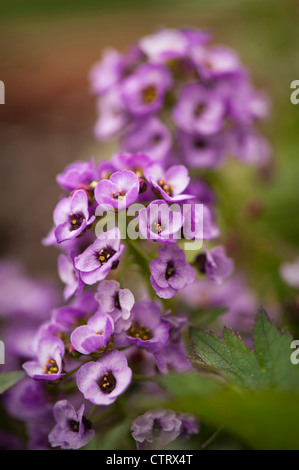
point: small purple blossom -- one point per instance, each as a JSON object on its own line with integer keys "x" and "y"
{"x": 156, "y": 429}
{"x": 99, "y": 258}
{"x": 117, "y": 302}
{"x": 72, "y": 429}
{"x": 48, "y": 365}
{"x": 143, "y": 92}
{"x": 76, "y": 174}
{"x": 70, "y": 276}
{"x": 119, "y": 191}
{"x": 103, "y": 381}
{"x": 172, "y": 358}
{"x": 93, "y": 336}
{"x": 170, "y": 272}
{"x": 112, "y": 115}
{"x": 170, "y": 183}
{"x": 160, "y": 222}
{"x": 199, "y": 110}
{"x": 108, "y": 72}
{"x": 215, "y": 264}
{"x": 290, "y": 273}
{"x": 148, "y": 330}
{"x": 71, "y": 216}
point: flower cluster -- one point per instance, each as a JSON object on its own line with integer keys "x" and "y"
{"x": 179, "y": 98}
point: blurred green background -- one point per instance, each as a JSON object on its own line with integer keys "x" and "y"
{"x": 46, "y": 51}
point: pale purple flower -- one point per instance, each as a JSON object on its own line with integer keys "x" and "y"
{"x": 202, "y": 151}
{"x": 119, "y": 191}
{"x": 172, "y": 358}
{"x": 48, "y": 364}
{"x": 190, "y": 425}
{"x": 113, "y": 116}
{"x": 93, "y": 336}
{"x": 170, "y": 183}
{"x": 76, "y": 174}
{"x": 199, "y": 110}
{"x": 103, "y": 381}
{"x": 170, "y": 272}
{"x": 215, "y": 264}
{"x": 136, "y": 162}
{"x": 98, "y": 259}
{"x": 143, "y": 92}
{"x": 160, "y": 222}
{"x": 26, "y": 399}
{"x": 72, "y": 429}
{"x": 249, "y": 146}
{"x": 117, "y": 302}
{"x": 149, "y": 135}
{"x": 71, "y": 216}
{"x": 156, "y": 429}
{"x": 215, "y": 62}
{"x": 198, "y": 222}
{"x": 70, "y": 276}
{"x": 164, "y": 45}
{"x": 290, "y": 273}
{"x": 107, "y": 72}
{"x": 149, "y": 330}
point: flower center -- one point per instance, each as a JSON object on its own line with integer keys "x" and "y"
{"x": 157, "y": 227}
{"x": 149, "y": 94}
{"x": 107, "y": 383}
{"x": 51, "y": 367}
{"x": 116, "y": 301}
{"x": 200, "y": 144}
{"x": 167, "y": 187}
{"x": 140, "y": 331}
{"x": 75, "y": 220}
{"x": 169, "y": 270}
{"x": 199, "y": 109}
{"x": 74, "y": 425}
{"x": 120, "y": 194}
{"x": 105, "y": 254}
{"x": 200, "y": 262}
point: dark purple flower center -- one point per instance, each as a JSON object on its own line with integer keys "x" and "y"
{"x": 200, "y": 262}
{"x": 200, "y": 144}
{"x": 74, "y": 425}
{"x": 107, "y": 383}
{"x": 138, "y": 330}
{"x": 116, "y": 301}
{"x": 169, "y": 270}
{"x": 51, "y": 367}
{"x": 105, "y": 254}
{"x": 199, "y": 109}
{"x": 167, "y": 187}
{"x": 157, "y": 428}
{"x": 149, "y": 94}
{"x": 76, "y": 220}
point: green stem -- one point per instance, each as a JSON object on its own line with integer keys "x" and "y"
{"x": 212, "y": 439}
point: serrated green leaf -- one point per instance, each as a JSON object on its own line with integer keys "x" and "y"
{"x": 273, "y": 353}
{"x": 7, "y": 380}
{"x": 228, "y": 356}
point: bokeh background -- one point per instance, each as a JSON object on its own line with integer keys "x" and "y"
{"x": 46, "y": 52}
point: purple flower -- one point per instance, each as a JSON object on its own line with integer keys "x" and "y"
{"x": 98, "y": 259}
{"x": 136, "y": 162}
{"x": 71, "y": 216}
{"x": 190, "y": 425}
{"x": 93, "y": 336}
{"x": 249, "y": 146}
{"x": 108, "y": 72}
{"x": 72, "y": 429}
{"x": 149, "y": 136}
{"x": 103, "y": 381}
{"x": 202, "y": 151}
{"x": 215, "y": 264}
{"x": 75, "y": 174}
{"x": 117, "y": 302}
{"x": 143, "y": 92}
{"x": 170, "y": 183}
{"x": 164, "y": 45}
{"x": 199, "y": 110}
{"x": 112, "y": 115}
{"x": 155, "y": 429}
{"x": 198, "y": 222}
{"x": 170, "y": 272}
{"x": 48, "y": 365}
{"x": 70, "y": 276}
{"x": 26, "y": 400}
{"x": 172, "y": 358}
{"x": 290, "y": 273}
{"x": 215, "y": 62}
{"x": 148, "y": 330}
{"x": 119, "y": 191}
{"x": 160, "y": 222}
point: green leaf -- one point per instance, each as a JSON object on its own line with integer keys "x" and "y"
{"x": 269, "y": 367}
{"x": 9, "y": 379}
